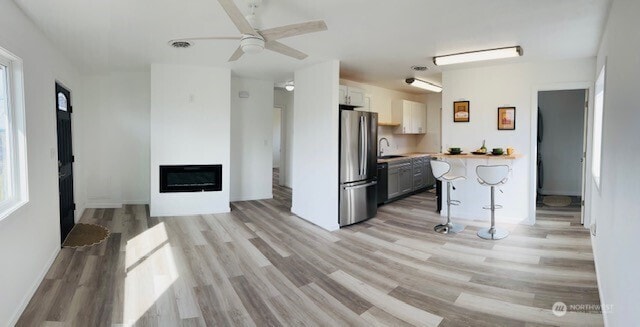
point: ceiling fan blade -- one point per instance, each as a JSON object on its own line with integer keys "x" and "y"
{"x": 237, "y": 17}
{"x": 285, "y": 50}
{"x": 208, "y": 38}
{"x": 293, "y": 30}
{"x": 237, "y": 54}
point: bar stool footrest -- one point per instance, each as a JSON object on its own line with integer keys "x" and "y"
{"x": 493, "y": 233}
{"x": 450, "y": 228}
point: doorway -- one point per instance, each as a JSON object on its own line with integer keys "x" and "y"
{"x": 277, "y": 144}
{"x": 65, "y": 160}
{"x": 561, "y": 152}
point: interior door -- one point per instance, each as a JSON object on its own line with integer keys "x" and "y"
{"x": 583, "y": 160}
{"x": 65, "y": 160}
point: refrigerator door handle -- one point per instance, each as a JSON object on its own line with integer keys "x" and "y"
{"x": 361, "y": 159}
{"x": 360, "y": 186}
{"x": 365, "y": 158}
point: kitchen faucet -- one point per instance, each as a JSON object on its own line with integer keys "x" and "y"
{"x": 380, "y": 145}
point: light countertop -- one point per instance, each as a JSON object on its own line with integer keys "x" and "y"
{"x": 410, "y": 155}
{"x": 477, "y": 156}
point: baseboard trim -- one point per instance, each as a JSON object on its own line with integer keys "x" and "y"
{"x": 252, "y": 197}
{"x": 329, "y": 227}
{"x": 100, "y": 205}
{"x": 79, "y": 213}
{"x": 113, "y": 205}
{"x": 600, "y": 285}
{"x": 566, "y": 193}
{"x": 136, "y": 203}
{"x": 25, "y": 301}
{"x": 187, "y": 214}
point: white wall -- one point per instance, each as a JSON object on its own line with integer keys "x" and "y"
{"x": 117, "y": 127}
{"x": 24, "y": 263}
{"x": 615, "y": 206}
{"x": 284, "y": 100}
{"x": 561, "y": 148}
{"x": 277, "y": 136}
{"x": 315, "y": 151}
{"x": 488, "y": 88}
{"x": 251, "y": 139}
{"x": 381, "y": 102}
{"x": 190, "y": 124}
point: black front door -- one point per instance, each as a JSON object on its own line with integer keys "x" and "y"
{"x": 65, "y": 160}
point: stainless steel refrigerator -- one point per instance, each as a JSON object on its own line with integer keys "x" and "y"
{"x": 358, "y": 149}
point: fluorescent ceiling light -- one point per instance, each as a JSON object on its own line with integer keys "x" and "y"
{"x": 490, "y": 54}
{"x": 423, "y": 85}
{"x": 289, "y": 86}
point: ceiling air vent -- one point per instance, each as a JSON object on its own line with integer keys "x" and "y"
{"x": 180, "y": 44}
{"x": 419, "y": 68}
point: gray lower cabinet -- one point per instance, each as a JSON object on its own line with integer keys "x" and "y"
{"x": 392, "y": 182}
{"x": 405, "y": 180}
{"x": 406, "y": 176}
{"x": 429, "y": 179}
{"x": 400, "y": 178}
{"x": 419, "y": 174}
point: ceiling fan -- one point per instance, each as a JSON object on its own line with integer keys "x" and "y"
{"x": 254, "y": 40}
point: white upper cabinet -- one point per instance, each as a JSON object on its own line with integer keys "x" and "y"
{"x": 352, "y": 96}
{"x": 419, "y": 117}
{"x": 412, "y": 117}
{"x": 355, "y": 96}
{"x": 342, "y": 94}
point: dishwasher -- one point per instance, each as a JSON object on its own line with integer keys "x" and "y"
{"x": 382, "y": 187}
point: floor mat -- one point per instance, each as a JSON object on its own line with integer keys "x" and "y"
{"x": 85, "y": 235}
{"x": 557, "y": 201}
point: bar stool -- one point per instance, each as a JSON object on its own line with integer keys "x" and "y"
{"x": 442, "y": 171}
{"x": 492, "y": 176}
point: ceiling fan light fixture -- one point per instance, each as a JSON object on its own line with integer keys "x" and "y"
{"x": 490, "y": 54}
{"x": 289, "y": 86}
{"x": 423, "y": 85}
{"x": 252, "y": 44}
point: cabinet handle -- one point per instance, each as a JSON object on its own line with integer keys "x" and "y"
{"x": 404, "y": 130}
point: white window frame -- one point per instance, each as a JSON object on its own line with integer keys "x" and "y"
{"x": 18, "y": 194}
{"x": 598, "y": 124}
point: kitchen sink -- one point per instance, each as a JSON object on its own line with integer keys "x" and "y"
{"x": 391, "y": 157}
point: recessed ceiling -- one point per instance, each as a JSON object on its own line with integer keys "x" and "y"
{"x": 376, "y": 41}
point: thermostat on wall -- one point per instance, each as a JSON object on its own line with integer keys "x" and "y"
{"x": 243, "y": 94}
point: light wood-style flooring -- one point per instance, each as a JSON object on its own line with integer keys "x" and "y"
{"x": 262, "y": 266}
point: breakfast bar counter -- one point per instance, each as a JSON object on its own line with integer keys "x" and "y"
{"x": 473, "y": 196}
{"x": 477, "y": 156}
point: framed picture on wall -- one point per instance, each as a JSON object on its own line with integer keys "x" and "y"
{"x": 507, "y": 118}
{"x": 461, "y": 111}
